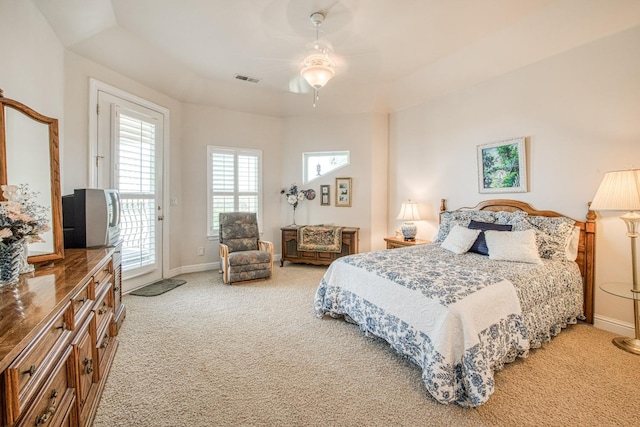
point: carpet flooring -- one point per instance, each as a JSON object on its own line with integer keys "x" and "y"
{"x": 209, "y": 354}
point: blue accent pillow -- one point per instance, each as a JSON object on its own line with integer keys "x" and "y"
{"x": 480, "y": 245}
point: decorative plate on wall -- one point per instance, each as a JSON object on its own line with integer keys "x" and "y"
{"x": 310, "y": 194}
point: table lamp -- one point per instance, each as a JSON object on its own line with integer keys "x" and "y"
{"x": 620, "y": 191}
{"x": 409, "y": 213}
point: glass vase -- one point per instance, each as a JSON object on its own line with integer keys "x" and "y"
{"x": 293, "y": 224}
{"x": 10, "y": 264}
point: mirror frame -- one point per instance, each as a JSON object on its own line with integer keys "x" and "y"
{"x": 54, "y": 159}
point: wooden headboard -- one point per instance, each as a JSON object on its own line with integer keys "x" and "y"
{"x": 586, "y": 245}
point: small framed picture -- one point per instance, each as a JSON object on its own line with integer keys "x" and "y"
{"x": 502, "y": 167}
{"x": 325, "y": 199}
{"x": 343, "y": 192}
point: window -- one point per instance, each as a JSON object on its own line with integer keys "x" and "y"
{"x": 318, "y": 164}
{"x": 135, "y": 178}
{"x": 235, "y": 184}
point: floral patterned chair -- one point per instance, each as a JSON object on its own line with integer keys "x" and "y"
{"x": 243, "y": 256}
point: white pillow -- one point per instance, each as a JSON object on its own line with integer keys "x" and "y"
{"x": 571, "y": 247}
{"x": 519, "y": 246}
{"x": 460, "y": 239}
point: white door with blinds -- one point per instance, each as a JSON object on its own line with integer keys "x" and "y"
{"x": 128, "y": 157}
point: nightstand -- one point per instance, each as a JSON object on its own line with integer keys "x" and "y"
{"x": 395, "y": 242}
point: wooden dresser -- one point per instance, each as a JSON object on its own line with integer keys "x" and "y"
{"x": 57, "y": 339}
{"x": 291, "y": 253}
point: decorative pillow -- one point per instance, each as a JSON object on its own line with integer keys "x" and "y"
{"x": 518, "y": 246}
{"x": 460, "y": 239}
{"x": 552, "y": 233}
{"x": 449, "y": 219}
{"x": 504, "y": 217}
{"x": 571, "y": 248}
{"x": 480, "y": 245}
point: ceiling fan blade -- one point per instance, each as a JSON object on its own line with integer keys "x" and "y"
{"x": 298, "y": 84}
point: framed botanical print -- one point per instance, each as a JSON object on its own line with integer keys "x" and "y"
{"x": 325, "y": 199}
{"x": 343, "y": 192}
{"x": 502, "y": 167}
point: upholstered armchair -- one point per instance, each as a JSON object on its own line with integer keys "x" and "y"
{"x": 243, "y": 256}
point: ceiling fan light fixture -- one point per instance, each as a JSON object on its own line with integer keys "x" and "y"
{"x": 317, "y": 71}
{"x": 317, "y": 67}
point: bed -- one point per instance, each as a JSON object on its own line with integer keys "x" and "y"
{"x": 461, "y": 315}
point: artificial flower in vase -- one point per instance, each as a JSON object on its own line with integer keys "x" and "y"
{"x": 294, "y": 196}
{"x": 21, "y": 222}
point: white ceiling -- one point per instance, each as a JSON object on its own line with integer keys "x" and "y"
{"x": 390, "y": 54}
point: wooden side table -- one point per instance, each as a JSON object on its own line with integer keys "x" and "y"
{"x": 290, "y": 252}
{"x": 395, "y": 242}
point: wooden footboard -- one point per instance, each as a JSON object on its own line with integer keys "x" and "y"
{"x": 586, "y": 245}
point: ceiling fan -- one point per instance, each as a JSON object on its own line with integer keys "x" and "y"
{"x": 297, "y": 61}
{"x": 318, "y": 67}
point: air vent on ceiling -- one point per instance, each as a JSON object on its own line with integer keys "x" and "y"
{"x": 246, "y": 79}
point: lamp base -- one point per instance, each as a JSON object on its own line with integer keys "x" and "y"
{"x": 409, "y": 231}
{"x": 632, "y": 345}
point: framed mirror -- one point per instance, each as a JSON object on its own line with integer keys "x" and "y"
{"x": 29, "y": 154}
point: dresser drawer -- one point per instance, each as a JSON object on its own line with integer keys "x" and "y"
{"x": 103, "y": 277}
{"x": 84, "y": 357}
{"x": 103, "y": 308}
{"x": 34, "y": 364}
{"x": 104, "y": 347}
{"x": 81, "y": 303}
{"x": 326, "y": 255}
{"x": 308, "y": 254}
{"x": 53, "y": 404}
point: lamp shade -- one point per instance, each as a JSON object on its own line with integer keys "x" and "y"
{"x": 409, "y": 211}
{"x": 618, "y": 191}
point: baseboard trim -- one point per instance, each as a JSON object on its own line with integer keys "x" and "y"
{"x": 195, "y": 268}
{"x": 614, "y": 325}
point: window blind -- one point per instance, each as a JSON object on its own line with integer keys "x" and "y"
{"x": 235, "y": 183}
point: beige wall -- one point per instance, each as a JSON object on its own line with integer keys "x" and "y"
{"x": 365, "y": 136}
{"x": 31, "y": 60}
{"x": 75, "y": 160}
{"x": 204, "y": 126}
{"x": 579, "y": 111}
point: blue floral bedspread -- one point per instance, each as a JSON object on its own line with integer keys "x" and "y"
{"x": 458, "y": 317}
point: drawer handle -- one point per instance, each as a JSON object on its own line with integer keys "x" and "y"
{"x": 31, "y": 371}
{"x": 51, "y": 409}
{"x": 104, "y": 308}
{"x": 105, "y": 342}
{"x": 62, "y": 326}
{"x": 81, "y": 300}
{"x": 88, "y": 365}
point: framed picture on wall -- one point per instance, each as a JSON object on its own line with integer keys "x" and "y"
{"x": 325, "y": 199}
{"x": 502, "y": 167}
{"x": 343, "y": 192}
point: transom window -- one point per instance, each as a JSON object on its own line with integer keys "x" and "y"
{"x": 320, "y": 163}
{"x": 235, "y": 183}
